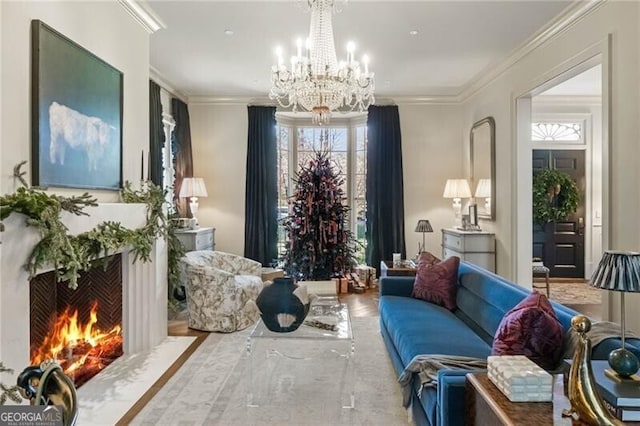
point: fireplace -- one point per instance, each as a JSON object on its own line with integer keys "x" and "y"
{"x": 148, "y": 352}
{"x": 81, "y": 328}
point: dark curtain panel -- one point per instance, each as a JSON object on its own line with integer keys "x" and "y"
{"x": 384, "y": 192}
{"x": 261, "y": 196}
{"x": 156, "y": 134}
{"x": 183, "y": 157}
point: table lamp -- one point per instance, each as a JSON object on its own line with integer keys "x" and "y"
{"x": 193, "y": 187}
{"x": 457, "y": 189}
{"x": 423, "y": 226}
{"x": 483, "y": 190}
{"x": 619, "y": 271}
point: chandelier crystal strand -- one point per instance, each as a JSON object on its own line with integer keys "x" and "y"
{"x": 316, "y": 82}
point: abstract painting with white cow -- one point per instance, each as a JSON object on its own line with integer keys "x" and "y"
{"x": 76, "y": 113}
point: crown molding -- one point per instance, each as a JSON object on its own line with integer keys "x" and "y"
{"x": 423, "y": 100}
{"x": 143, "y": 14}
{"x": 229, "y": 100}
{"x": 562, "y": 22}
{"x": 155, "y": 75}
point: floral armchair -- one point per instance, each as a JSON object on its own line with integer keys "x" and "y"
{"x": 221, "y": 290}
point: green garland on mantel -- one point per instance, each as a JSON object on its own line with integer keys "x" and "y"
{"x": 71, "y": 254}
{"x": 555, "y": 196}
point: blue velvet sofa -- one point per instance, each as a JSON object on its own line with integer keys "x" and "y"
{"x": 411, "y": 327}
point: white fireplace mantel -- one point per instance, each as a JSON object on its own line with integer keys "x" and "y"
{"x": 144, "y": 284}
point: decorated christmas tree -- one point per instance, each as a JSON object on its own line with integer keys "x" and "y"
{"x": 319, "y": 244}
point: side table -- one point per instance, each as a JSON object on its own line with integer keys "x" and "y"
{"x": 388, "y": 270}
{"x": 487, "y": 405}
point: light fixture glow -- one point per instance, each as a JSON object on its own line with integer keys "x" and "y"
{"x": 457, "y": 189}
{"x": 192, "y": 188}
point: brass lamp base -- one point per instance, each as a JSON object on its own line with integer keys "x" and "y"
{"x": 618, "y": 378}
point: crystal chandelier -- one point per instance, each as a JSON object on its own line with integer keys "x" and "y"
{"x": 316, "y": 82}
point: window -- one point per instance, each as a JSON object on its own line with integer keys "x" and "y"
{"x": 346, "y": 143}
{"x": 556, "y": 132}
{"x": 283, "y": 183}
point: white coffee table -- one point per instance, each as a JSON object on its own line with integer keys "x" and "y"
{"x": 304, "y": 366}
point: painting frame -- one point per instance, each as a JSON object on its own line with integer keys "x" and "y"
{"x": 76, "y": 114}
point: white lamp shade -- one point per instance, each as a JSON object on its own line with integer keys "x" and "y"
{"x": 457, "y": 188}
{"x": 193, "y": 187}
{"x": 484, "y": 188}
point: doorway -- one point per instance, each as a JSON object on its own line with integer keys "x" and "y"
{"x": 553, "y": 100}
{"x": 560, "y": 244}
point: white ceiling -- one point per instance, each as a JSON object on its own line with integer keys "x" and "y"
{"x": 588, "y": 83}
{"x": 457, "y": 41}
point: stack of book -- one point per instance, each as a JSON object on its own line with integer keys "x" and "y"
{"x": 622, "y": 398}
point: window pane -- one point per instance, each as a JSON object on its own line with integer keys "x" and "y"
{"x": 339, "y": 163}
{"x": 305, "y": 139}
{"x": 283, "y": 140}
{"x": 360, "y": 187}
{"x": 361, "y": 162}
{"x": 338, "y": 140}
{"x": 556, "y": 131}
{"x": 360, "y": 136}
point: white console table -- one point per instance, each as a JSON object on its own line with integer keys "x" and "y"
{"x": 475, "y": 247}
{"x": 197, "y": 239}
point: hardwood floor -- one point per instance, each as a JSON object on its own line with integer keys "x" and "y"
{"x": 362, "y": 305}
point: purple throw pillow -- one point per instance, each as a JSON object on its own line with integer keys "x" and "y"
{"x": 531, "y": 329}
{"x": 427, "y": 259}
{"x": 437, "y": 282}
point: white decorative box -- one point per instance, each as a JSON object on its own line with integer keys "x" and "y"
{"x": 520, "y": 379}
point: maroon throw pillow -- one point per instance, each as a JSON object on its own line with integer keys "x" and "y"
{"x": 427, "y": 259}
{"x": 437, "y": 283}
{"x": 531, "y": 329}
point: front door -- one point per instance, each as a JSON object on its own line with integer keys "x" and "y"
{"x": 561, "y": 245}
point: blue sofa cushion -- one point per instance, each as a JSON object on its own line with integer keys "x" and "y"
{"x": 417, "y": 327}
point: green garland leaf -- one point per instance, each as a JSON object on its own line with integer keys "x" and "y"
{"x": 555, "y": 196}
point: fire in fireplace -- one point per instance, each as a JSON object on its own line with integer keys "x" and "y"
{"x": 82, "y": 328}
{"x": 81, "y": 349}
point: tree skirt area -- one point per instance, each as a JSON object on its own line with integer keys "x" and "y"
{"x": 574, "y": 293}
{"x": 211, "y": 387}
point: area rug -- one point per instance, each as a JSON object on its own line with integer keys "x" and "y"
{"x": 211, "y": 388}
{"x": 569, "y": 293}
